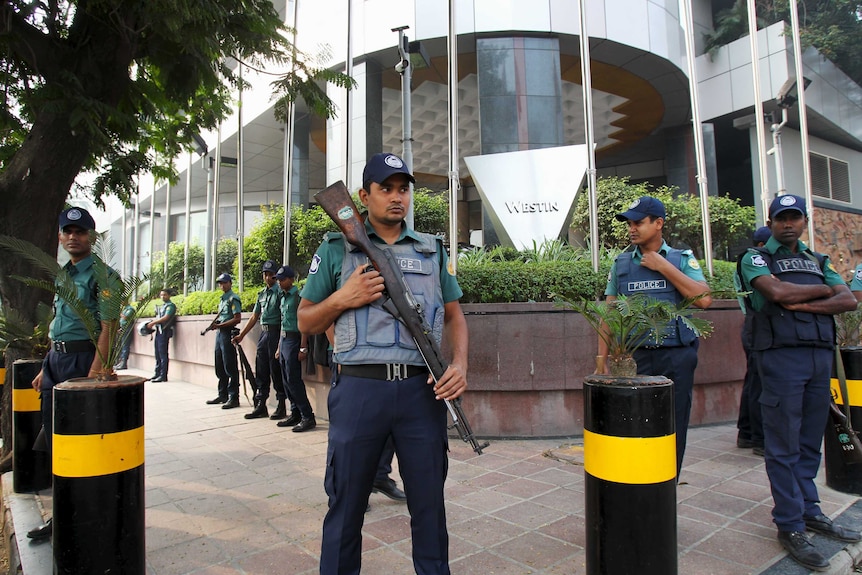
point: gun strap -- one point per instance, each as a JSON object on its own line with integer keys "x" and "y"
{"x": 842, "y": 384}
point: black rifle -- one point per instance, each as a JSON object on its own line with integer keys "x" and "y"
{"x": 245, "y": 367}
{"x": 335, "y": 200}
{"x": 211, "y": 326}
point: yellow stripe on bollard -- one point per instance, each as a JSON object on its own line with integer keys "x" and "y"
{"x": 94, "y": 455}
{"x": 26, "y": 400}
{"x": 636, "y": 460}
{"x": 854, "y": 390}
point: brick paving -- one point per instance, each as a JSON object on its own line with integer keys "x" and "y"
{"x": 226, "y": 495}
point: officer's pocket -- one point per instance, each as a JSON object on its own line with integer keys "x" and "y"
{"x": 769, "y": 399}
{"x": 806, "y": 327}
{"x": 381, "y": 327}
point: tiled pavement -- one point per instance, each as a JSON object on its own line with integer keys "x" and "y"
{"x": 226, "y": 495}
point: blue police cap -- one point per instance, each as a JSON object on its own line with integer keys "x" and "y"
{"x": 77, "y": 217}
{"x": 641, "y": 208}
{"x": 284, "y": 272}
{"x": 382, "y": 166}
{"x": 224, "y": 278}
{"x": 787, "y": 202}
{"x": 269, "y": 266}
{"x": 761, "y": 235}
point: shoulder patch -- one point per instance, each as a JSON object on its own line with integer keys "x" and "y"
{"x": 859, "y": 274}
{"x": 758, "y": 261}
{"x": 330, "y": 236}
{"x": 831, "y": 268}
{"x": 693, "y": 264}
{"x": 315, "y": 265}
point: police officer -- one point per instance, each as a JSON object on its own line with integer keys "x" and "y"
{"x": 750, "y": 423}
{"x": 795, "y": 293}
{"x": 267, "y": 309}
{"x": 383, "y": 387}
{"x": 229, "y": 314}
{"x": 166, "y": 315}
{"x": 72, "y": 353}
{"x": 126, "y": 316}
{"x": 856, "y": 283}
{"x": 292, "y": 349}
{"x": 667, "y": 274}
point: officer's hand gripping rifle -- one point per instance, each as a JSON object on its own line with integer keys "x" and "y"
{"x": 211, "y": 326}
{"x": 399, "y": 301}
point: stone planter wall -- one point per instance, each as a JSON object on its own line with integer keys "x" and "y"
{"x": 527, "y": 366}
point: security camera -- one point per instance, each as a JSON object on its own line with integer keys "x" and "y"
{"x": 788, "y": 94}
{"x": 401, "y": 66}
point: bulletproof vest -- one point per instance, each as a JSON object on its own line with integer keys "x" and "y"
{"x": 168, "y": 326}
{"x": 633, "y": 279}
{"x": 370, "y": 334}
{"x": 774, "y": 326}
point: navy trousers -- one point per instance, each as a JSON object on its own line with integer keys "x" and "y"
{"x": 57, "y": 368}
{"x": 161, "y": 345}
{"x": 291, "y": 368}
{"x": 794, "y": 403}
{"x": 225, "y": 365}
{"x": 677, "y": 364}
{"x": 266, "y": 367}
{"x": 363, "y": 414}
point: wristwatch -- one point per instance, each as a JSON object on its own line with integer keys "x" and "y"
{"x": 303, "y": 349}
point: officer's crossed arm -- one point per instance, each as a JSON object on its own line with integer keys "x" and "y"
{"x": 816, "y": 298}
{"x": 360, "y": 289}
{"x": 687, "y": 286}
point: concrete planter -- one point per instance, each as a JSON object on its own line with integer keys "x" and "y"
{"x": 527, "y": 366}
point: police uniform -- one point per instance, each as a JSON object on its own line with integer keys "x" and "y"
{"x": 164, "y": 332}
{"x": 675, "y": 356}
{"x": 267, "y": 368}
{"x": 288, "y": 354}
{"x": 125, "y": 317}
{"x": 856, "y": 282}
{"x": 793, "y": 353}
{"x": 382, "y": 390}
{"x": 225, "y": 355}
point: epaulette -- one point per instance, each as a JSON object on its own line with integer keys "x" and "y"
{"x": 330, "y": 236}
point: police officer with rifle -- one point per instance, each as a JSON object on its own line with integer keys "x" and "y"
{"x": 384, "y": 386}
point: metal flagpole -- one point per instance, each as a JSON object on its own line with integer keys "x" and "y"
{"x": 405, "y": 68}
{"x": 167, "y": 229}
{"x": 240, "y": 228}
{"x": 587, "y": 87}
{"x": 803, "y": 119}
{"x": 136, "y": 263}
{"x": 152, "y": 225}
{"x": 758, "y": 108}
{"x": 216, "y": 189}
{"x": 124, "y": 244}
{"x": 697, "y": 130}
{"x": 188, "y": 230}
{"x": 454, "y": 179}
{"x": 289, "y": 136}
{"x": 348, "y": 109}
{"x": 208, "y": 259}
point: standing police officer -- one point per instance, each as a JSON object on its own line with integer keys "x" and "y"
{"x": 292, "y": 349}
{"x": 383, "y": 388}
{"x": 72, "y": 353}
{"x": 666, "y": 274}
{"x": 856, "y": 283}
{"x": 229, "y": 314}
{"x": 795, "y": 293}
{"x": 166, "y": 315}
{"x": 266, "y": 368}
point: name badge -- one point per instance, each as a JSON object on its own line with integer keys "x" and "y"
{"x": 647, "y": 285}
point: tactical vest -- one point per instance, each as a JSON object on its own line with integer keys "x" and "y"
{"x": 633, "y": 279}
{"x": 774, "y": 326}
{"x": 168, "y": 326}
{"x": 370, "y": 334}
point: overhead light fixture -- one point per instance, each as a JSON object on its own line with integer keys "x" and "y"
{"x": 788, "y": 94}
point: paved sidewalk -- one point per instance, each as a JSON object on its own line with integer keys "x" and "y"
{"x": 226, "y": 495}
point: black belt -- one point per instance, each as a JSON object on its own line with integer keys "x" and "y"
{"x": 383, "y": 371}
{"x": 73, "y": 346}
{"x": 291, "y": 334}
{"x": 275, "y": 327}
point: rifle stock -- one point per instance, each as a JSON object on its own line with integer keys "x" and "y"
{"x": 336, "y": 202}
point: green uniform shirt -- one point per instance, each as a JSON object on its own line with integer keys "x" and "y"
{"x": 126, "y": 315}
{"x": 66, "y": 325}
{"x": 325, "y": 271}
{"x": 168, "y": 309}
{"x": 289, "y": 305}
{"x": 856, "y": 283}
{"x": 688, "y": 265}
{"x": 268, "y": 305}
{"x": 228, "y": 306}
{"x": 753, "y": 266}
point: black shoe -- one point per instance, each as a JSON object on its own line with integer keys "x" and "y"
{"x": 219, "y": 399}
{"x": 42, "y": 532}
{"x": 231, "y": 403}
{"x": 290, "y": 421}
{"x": 744, "y": 442}
{"x": 260, "y": 410}
{"x": 824, "y": 525}
{"x": 758, "y": 450}
{"x": 802, "y": 550}
{"x": 158, "y": 380}
{"x": 388, "y": 488}
{"x": 305, "y": 425}
{"x": 280, "y": 411}
{"x": 120, "y": 366}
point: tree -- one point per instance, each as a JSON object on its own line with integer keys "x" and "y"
{"x": 119, "y": 88}
{"x": 176, "y": 263}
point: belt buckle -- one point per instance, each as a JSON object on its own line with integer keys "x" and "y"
{"x": 60, "y": 346}
{"x": 396, "y": 371}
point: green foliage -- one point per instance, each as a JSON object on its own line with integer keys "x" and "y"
{"x": 847, "y": 328}
{"x": 200, "y": 303}
{"x": 226, "y": 252}
{"x": 730, "y": 222}
{"x": 626, "y": 323}
{"x": 17, "y": 333}
{"x": 553, "y": 251}
{"x": 510, "y": 281}
{"x": 176, "y": 263}
{"x": 264, "y": 242}
{"x": 430, "y": 212}
{"x": 730, "y": 24}
{"x": 308, "y": 226}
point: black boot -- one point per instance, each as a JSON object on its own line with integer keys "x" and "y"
{"x": 260, "y": 410}
{"x": 280, "y": 411}
{"x": 232, "y": 402}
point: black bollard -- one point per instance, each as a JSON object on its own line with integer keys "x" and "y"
{"x": 31, "y": 468}
{"x": 630, "y": 475}
{"x": 98, "y": 454}
{"x": 839, "y": 475}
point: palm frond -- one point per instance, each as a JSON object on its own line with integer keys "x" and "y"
{"x": 30, "y": 253}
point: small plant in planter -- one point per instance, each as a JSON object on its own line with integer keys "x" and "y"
{"x": 626, "y": 324}
{"x": 848, "y": 328}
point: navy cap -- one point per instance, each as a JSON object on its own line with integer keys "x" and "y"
{"x": 381, "y": 166}
{"x": 788, "y": 202}
{"x": 761, "y": 235}
{"x": 269, "y": 266}
{"x": 641, "y": 208}
{"x": 285, "y": 272}
{"x": 77, "y": 217}
{"x": 223, "y": 278}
